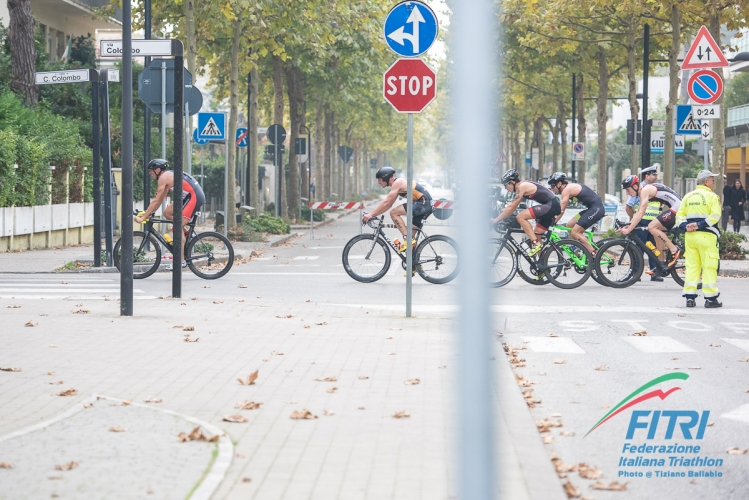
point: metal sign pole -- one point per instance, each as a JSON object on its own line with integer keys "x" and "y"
{"x": 107, "y": 164}
{"x": 279, "y": 172}
{"x": 226, "y": 186}
{"x": 179, "y": 130}
{"x": 126, "y": 212}
{"x": 409, "y": 211}
{"x": 188, "y": 135}
{"x": 163, "y": 133}
{"x": 96, "y": 125}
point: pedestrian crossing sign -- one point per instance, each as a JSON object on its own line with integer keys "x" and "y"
{"x": 212, "y": 126}
{"x": 686, "y": 123}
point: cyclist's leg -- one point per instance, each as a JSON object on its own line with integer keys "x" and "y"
{"x": 397, "y": 214}
{"x": 524, "y": 219}
{"x": 586, "y": 219}
{"x": 660, "y": 226}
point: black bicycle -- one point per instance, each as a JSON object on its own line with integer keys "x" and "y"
{"x": 366, "y": 257}
{"x": 621, "y": 261}
{"x": 209, "y": 255}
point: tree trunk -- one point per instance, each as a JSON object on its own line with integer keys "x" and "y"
{"x": 602, "y": 101}
{"x": 634, "y": 105}
{"x": 519, "y": 157}
{"x": 526, "y": 143}
{"x": 562, "y": 123}
{"x": 581, "y": 124}
{"x": 673, "y": 94}
{"x": 22, "y": 50}
{"x": 296, "y": 110}
{"x": 319, "y": 142}
{"x": 254, "y": 195}
{"x": 278, "y": 105}
{"x": 328, "y": 173}
{"x": 230, "y": 210}
{"x": 191, "y": 52}
{"x": 717, "y": 126}
{"x": 538, "y": 133}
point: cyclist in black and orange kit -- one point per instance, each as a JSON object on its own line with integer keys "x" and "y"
{"x": 192, "y": 195}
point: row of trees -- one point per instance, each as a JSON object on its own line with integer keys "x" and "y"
{"x": 601, "y": 42}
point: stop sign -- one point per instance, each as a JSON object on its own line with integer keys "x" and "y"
{"x": 409, "y": 85}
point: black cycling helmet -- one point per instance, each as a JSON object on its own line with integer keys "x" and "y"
{"x": 557, "y": 177}
{"x": 385, "y": 173}
{"x": 510, "y": 175}
{"x": 158, "y": 163}
{"x": 629, "y": 181}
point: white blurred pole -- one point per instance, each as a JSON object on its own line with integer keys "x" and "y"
{"x": 409, "y": 211}
{"x": 474, "y": 117}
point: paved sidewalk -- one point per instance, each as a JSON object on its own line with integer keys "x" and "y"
{"x": 354, "y": 448}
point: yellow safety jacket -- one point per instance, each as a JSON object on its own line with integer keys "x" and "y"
{"x": 703, "y": 207}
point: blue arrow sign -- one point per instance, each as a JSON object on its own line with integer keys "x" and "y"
{"x": 212, "y": 126}
{"x": 241, "y": 140}
{"x": 686, "y": 123}
{"x": 198, "y": 140}
{"x": 410, "y": 29}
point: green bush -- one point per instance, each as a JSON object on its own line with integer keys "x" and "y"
{"x": 245, "y": 233}
{"x": 730, "y": 246}
{"x": 266, "y": 223}
{"x": 317, "y": 215}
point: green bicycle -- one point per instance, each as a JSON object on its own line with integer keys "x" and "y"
{"x": 558, "y": 232}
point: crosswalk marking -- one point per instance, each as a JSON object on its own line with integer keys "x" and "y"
{"x": 740, "y": 343}
{"x": 44, "y": 287}
{"x": 552, "y": 344}
{"x": 740, "y": 414}
{"x": 657, "y": 344}
{"x": 307, "y": 257}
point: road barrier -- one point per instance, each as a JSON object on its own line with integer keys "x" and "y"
{"x": 332, "y": 205}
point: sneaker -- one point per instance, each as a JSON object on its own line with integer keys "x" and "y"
{"x": 675, "y": 257}
{"x": 692, "y": 303}
{"x": 403, "y": 246}
{"x": 169, "y": 267}
{"x": 655, "y": 277}
{"x": 712, "y": 303}
{"x": 535, "y": 248}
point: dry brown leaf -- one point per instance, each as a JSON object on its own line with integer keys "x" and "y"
{"x": 548, "y": 439}
{"x": 694, "y": 368}
{"x": 29, "y": 323}
{"x": 88, "y": 405}
{"x": 546, "y": 425}
{"x": 321, "y": 324}
{"x": 559, "y": 361}
{"x": 736, "y": 451}
{"x": 304, "y": 414}
{"x": 556, "y": 415}
{"x": 68, "y": 392}
{"x": 80, "y": 311}
{"x": 524, "y": 382}
{"x": 152, "y": 400}
{"x": 178, "y": 326}
{"x": 587, "y": 497}
{"x": 710, "y": 424}
{"x": 602, "y": 368}
{"x": 68, "y": 466}
{"x": 332, "y": 378}
{"x": 392, "y": 354}
{"x": 640, "y": 334}
{"x": 59, "y": 382}
{"x": 589, "y": 472}
{"x": 188, "y": 339}
{"x": 6, "y": 465}
{"x": 361, "y": 408}
{"x": 247, "y": 405}
{"x": 328, "y": 413}
{"x": 246, "y": 479}
{"x": 553, "y": 335}
{"x": 307, "y": 326}
{"x": 674, "y": 358}
{"x": 613, "y": 486}
{"x": 571, "y": 490}
{"x": 744, "y": 360}
{"x": 50, "y": 373}
{"x": 364, "y": 377}
{"x": 9, "y": 369}
{"x": 242, "y": 286}
{"x": 239, "y": 419}
{"x": 388, "y": 338}
{"x": 285, "y": 317}
{"x": 412, "y": 381}
{"x": 117, "y": 429}
{"x": 218, "y": 301}
{"x": 442, "y": 367}
{"x": 188, "y": 329}
{"x": 331, "y": 390}
{"x": 276, "y": 353}
{"x": 396, "y": 329}
{"x": 715, "y": 345}
{"x": 196, "y": 435}
{"x": 567, "y": 433}
{"x": 250, "y": 378}
{"x": 401, "y": 414}
{"x": 12, "y": 307}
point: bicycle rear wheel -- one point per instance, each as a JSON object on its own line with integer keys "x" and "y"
{"x": 619, "y": 263}
{"x": 566, "y": 263}
{"x": 366, "y": 258}
{"x": 503, "y": 263}
{"x": 146, "y": 255}
{"x": 436, "y": 259}
{"x": 209, "y": 255}
{"x": 593, "y": 273}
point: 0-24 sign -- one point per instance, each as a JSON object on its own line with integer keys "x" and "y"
{"x": 706, "y": 112}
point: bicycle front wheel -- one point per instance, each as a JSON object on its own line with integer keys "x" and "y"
{"x": 209, "y": 255}
{"x": 502, "y": 263}
{"x": 146, "y": 255}
{"x": 566, "y": 263}
{"x": 436, "y": 259}
{"x": 366, "y": 258}
{"x": 619, "y": 263}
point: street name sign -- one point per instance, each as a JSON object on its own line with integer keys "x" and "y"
{"x": 141, "y": 48}
{"x": 706, "y": 112}
{"x": 704, "y": 52}
{"x": 422, "y": 26}
{"x": 409, "y": 85}
{"x": 69, "y": 76}
{"x": 658, "y": 141}
{"x": 212, "y": 126}
{"x": 705, "y": 86}
{"x": 686, "y": 123}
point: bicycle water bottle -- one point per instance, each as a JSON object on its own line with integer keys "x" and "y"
{"x": 652, "y": 248}
{"x": 168, "y": 238}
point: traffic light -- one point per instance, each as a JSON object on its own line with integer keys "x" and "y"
{"x": 631, "y": 132}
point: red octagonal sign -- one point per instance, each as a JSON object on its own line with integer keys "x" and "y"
{"x": 409, "y": 85}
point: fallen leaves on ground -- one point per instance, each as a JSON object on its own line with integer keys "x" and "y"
{"x": 715, "y": 345}
{"x": 123, "y": 403}
{"x": 401, "y": 414}
{"x": 512, "y": 353}
{"x": 695, "y": 368}
{"x": 559, "y": 361}
{"x": 602, "y": 368}
{"x": 613, "y": 486}
{"x": 307, "y": 326}
{"x": 68, "y": 466}
{"x": 412, "y": 381}
{"x": 571, "y": 490}
{"x": 442, "y": 367}
{"x": 178, "y": 326}
{"x": 589, "y": 472}
{"x": 59, "y": 382}
{"x": 250, "y": 379}
{"x": 68, "y": 392}
{"x": 331, "y": 390}
{"x": 246, "y": 479}
{"x": 188, "y": 339}
{"x": 276, "y": 353}
{"x": 332, "y": 378}
{"x": 285, "y": 317}
{"x": 361, "y": 408}
{"x": 643, "y": 333}
{"x": 548, "y": 439}
{"x": 80, "y": 311}
{"x": 328, "y": 413}
{"x": 546, "y": 424}
{"x": 30, "y": 323}
{"x": 529, "y": 399}
{"x": 196, "y": 435}
{"x": 239, "y": 419}
{"x": 247, "y": 405}
{"x": 88, "y": 405}
{"x": 392, "y": 354}
{"x": 396, "y": 329}
{"x": 188, "y": 329}
{"x": 736, "y": 451}
{"x": 206, "y": 286}
{"x": 9, "y": 369}
{"x": 524, "y": 382}
{"x": 6, "y": 465}
{"x": 553, "y": 335}
{"x": 14, "y": 306}
{"x": 744, "y": 360}
{"x": 364, "y": 377}
{"x": 50, "y": 373}
{"x": 149, "y": 399}
{"x": 117, "y": 428}
{"x": 304, "y": 414}
{"x": 242, "y": 286}
{"x": 567, "y": 433}
{"x": 388, "y": 338}
{"x": 321, "y": 324}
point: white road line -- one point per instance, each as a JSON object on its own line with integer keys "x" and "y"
{"x": 552, "y": 309}
{"x": 292, "y": 274}
{"x": 740, "y": 343}
{"x": 552, "y": 344}
{"x": 657, "y": 344}
{"x": 740, "y": 414}
{"x": 324, "y": 248}
{"x": 53, "y": 290}
{"x": 307, "y": 257}
{"x": 60, "y": 285}
{"x": 74, "y": 297}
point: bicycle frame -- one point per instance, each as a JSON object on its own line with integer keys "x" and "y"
{"x": 663, "y": 268}
{"x": 378, "y": 230}
{"x": 149, "y": 229}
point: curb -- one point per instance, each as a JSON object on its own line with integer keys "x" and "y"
{"x": 284, "y": 239}
{"x": 733, "y": 273}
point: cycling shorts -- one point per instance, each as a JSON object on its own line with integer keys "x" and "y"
{"x": 667, "y": 219}
{"x": 192, "y": 201}
{"x": 546, "y": 213}
{"x": 590, "y": 215}
{"x": 421, "y": 210}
